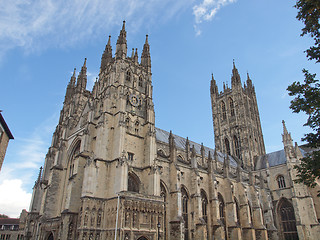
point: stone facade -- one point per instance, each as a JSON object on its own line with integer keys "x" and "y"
{"x": 111, "y": 174}
{"x": 5, "y": 136}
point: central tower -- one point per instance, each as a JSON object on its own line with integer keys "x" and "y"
{"x": 236, "y": 121}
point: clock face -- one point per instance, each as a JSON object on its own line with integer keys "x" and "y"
{"x": 134, "y": 100}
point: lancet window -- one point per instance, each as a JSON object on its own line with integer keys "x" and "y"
{"x": 222, "y": 213}
{"x": 204, "y": 203}
{"x": 223, "y": 110}
{"x": 231, "y": 105}
{"x": 236, "y": 146}
{"x": 185, "y": 198}
{"x": 140, "y": 82}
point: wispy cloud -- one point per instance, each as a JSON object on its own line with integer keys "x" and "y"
{"x": 37, "y": 24}
{"x": 206, "y": 10}
{"x": 20, "y": 168}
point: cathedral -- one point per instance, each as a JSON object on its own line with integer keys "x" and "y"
{"x": 110, "y": 173}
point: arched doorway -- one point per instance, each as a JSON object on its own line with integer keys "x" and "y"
{"x": 287, "y": 220}
{"x": 50, "y": 237}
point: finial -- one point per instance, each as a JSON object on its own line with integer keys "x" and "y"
{"x": 132, "y": 54}
{"x": 85, "y": 62}
{"x": 234, "y": 65}
{"x": 124, "y": 25}
{"x": 147, "y": 39}
{"x": 74, "y": 72}
{"x": 109, "y": 40}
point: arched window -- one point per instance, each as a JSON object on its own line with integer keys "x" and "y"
{"x": 281, "y": 181}
{"x": 128, "y": 76}
{"x": 227, "y": 144}
{"x": 75, "y": 153}
{"x": 231, "y": 104}
{"x": 133, "y": 183}
{"x": 222, "y": 213}
{"x": 237, "y": 211}
{"x": 236, "y": 146}
{"x": 204, "y": 203}
{"x": 136, "y": 130}
{"x": 184, "y": 199}
{"x": 223, "y": 110}
{"x": 288, "y": 220}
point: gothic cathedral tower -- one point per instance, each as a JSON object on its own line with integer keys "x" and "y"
{"x": 236, "y": 121}
{"x": 103, "y": 154}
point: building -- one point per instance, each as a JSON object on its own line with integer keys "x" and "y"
{"x": 5, "y": 136}
{"x": 110, "y": 171}
{"x": 13, "y": 228}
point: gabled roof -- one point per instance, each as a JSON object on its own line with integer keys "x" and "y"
{"x": 5, "y": 127}
{"x": 9, "y": 221}
{"x": 163, "y": 136}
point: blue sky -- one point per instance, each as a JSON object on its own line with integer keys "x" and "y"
{"x": 41, "y": 41}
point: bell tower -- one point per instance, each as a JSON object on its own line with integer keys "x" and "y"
{"x": 236, "y": 120}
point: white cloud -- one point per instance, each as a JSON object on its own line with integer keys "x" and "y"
{"x": 39, "y": 24}
{"x": 206, "y": 10}
{"x": 13, "y": 198}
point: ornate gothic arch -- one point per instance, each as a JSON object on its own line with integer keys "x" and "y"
{"x": 286, "y": 219}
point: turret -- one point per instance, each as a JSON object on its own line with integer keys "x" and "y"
{"x": 145, "y": 57}
{"x": 235, "y": 78}
{"x": 213, "y": 87}
{"x": 82, "y": 77}
{"x": 106, "y": 56}
{"x": 121, "y": 49}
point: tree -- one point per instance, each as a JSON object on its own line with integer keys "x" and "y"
{"x": 3, "y": 216}
{"x": 307, "y": 94}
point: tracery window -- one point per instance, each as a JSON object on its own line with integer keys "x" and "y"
{"x": 128, "y": 76}
{"x": 288, "y": 220}
{"x": 281, "y": 181}
{"x": 204, "y": 203}
{"x": 227, "y": 145}
{"x": 222, "y": 213}
{"x": 133, "y": 183}
{"x": 223, "y": 110}
{"x": 231, "y": 104}
{"x": 236, "y": 146}
{"x": 185, "y": 198}
{"x": 163, "y": 193}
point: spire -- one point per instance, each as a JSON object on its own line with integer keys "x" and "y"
{"x": 286, "y": 136}
{"x": 145, "y": 57}
{"x": 171, "y": 140}
{"x": 235, "y": 78}
{"x": 121, "y": 49}
{"x": 249, "y": 81}
{"x": 37, "y": 182}
{"x": 82, "y": 77}
{"x": 106, "y": 56}
{"x": 70, "y": 87}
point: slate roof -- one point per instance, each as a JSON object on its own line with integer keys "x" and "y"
{"x": 163, "y": 136}
{"x": 278, "y": 157}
